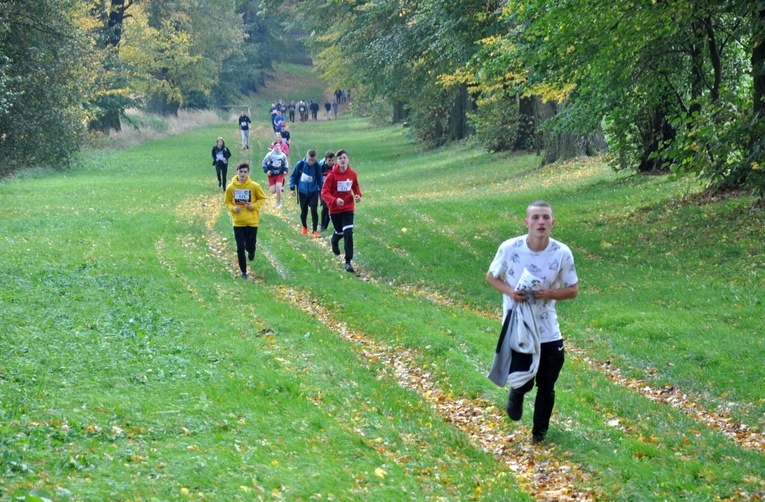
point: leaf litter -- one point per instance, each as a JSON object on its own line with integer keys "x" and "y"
{"x": 534, "y": 467}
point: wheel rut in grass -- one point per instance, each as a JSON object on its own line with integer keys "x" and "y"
{"x": 669, "y": 394}
{"x": 480, "y": 420}
{"x": 719, "y": 420}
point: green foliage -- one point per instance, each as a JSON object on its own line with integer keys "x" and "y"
{"x": 671, "y": 81}
{"x": 45, "y": 77}
{"x": 399, "y": 51}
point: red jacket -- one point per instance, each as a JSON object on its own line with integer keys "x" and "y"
{"x": 340, "y": 185}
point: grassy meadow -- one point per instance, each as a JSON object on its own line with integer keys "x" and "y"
{"x": 136, "y": 365}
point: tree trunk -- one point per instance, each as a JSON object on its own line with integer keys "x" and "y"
{"x": 112, "y": 34}
{"x": 458, "y": 124}
{"x": 526, "y": 124}
{"x": 399, "y": 112}
{"x": 566, "y": 145}
{"x": 758, "y": 63}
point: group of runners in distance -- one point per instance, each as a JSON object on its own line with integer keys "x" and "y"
{"x": 330, "y": 182}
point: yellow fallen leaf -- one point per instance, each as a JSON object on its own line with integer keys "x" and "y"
{"x": 380, "y": 473}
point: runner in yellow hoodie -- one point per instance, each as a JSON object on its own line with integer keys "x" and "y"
{"x": 244, "y": 198}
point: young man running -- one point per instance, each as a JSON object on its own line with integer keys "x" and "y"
{"x": 552, "y": 263}
{"x": 276, "y": 165}
{"x": 244, "y": 198}
{"x": 341, "y": 192}
{"x": 244, "y": 126}
{"x": 326, "y": 164}
{"x": 307, "y": 178}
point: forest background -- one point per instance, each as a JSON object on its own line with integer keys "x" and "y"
{"x": 658, "y": 86}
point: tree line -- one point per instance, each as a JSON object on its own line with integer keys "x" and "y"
{"x": 667, "y": 86}
{"x": 69, "y": 68}
{"x": 662, "y": 86}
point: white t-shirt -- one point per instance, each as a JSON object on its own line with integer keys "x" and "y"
{"x": 554, "y": 266}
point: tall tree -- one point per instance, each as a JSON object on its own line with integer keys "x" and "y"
{"x": 45, "y": 81}
{"x": 113, "y": 94}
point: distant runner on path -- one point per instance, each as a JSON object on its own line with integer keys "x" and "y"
{"x": 220, "y": 155}
{"x": 244, "y": 126}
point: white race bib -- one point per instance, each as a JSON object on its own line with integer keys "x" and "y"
{"x": 241, "y": 195}
{"x": 344, "y": 186}
{"x": 219, "y": 156}
{"x": 305, "y": 178}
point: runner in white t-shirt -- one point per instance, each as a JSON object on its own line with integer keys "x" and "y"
{"x": 549, "y": 267}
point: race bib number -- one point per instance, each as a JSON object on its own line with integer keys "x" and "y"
{"x": 344, "y": 186}
{"x": 243, "y": 124}
{"x": 241, "y": 195}
{"x": 276, "y": 163}
{"x": 305, "y": 178}
{"x": 219, "y": 156}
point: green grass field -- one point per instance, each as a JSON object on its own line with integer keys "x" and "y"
{"x": 137, "y": 366}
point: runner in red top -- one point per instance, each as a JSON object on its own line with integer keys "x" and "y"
{"x": 341, "y": 192}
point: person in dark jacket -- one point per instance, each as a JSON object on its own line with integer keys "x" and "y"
{"x": 314, "y": 106}
{"x": 308, "y": 179}
{"x": 220, "y": 155}
{"x": 244, "y": 126}
{"x": 326, "y": 166}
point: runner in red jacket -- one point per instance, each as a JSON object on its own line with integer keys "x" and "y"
{"x": 341, "y": 192}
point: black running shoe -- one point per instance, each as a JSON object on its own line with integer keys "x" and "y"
{"x": 514, "y": 405}
{"x": 349, "y": 268}
{"x": 335, "y": 245}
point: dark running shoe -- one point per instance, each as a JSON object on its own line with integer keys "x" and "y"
{"x": 514, "y": 405}
{"x": 251, "y": 256}
{"x": 537, "y": 438}
{"x": 335, "y": 245}
{"x": 349, "y": 268}
{"x": 244, "y": 275}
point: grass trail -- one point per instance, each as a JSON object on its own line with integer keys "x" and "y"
{"x": 136, "y": 366}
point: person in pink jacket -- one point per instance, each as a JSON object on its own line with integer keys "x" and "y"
{"x": 341, "y": 192}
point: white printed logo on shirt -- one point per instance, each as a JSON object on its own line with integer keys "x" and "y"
{"x": 344, "y": 186}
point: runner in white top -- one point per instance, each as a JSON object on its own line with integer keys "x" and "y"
{"x": 549, "y": 267}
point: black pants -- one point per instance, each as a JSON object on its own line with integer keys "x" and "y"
{"x": 307, "y": 201}
{"x": 343, "y": 223}
{"x": 221, "y": 171}
{"x": 324, "y": 215}
{"x": 550, "y": 363}
{"x": 292, "y": 115}
{"x": 246, "y": 240}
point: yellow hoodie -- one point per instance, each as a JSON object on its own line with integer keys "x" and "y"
{"x": 236, "y": 195}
